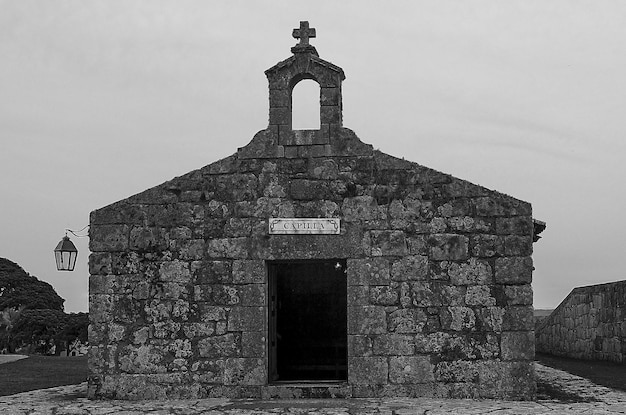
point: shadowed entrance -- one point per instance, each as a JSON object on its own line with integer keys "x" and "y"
{"x": 308, "y": 327}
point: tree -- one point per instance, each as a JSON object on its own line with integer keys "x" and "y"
{"x": 20, "y": 289}
{"x": 39, "y": 329}
{"x": 30, "y": 309}
{"x": 8, "y": 319}
{"x": 76, "y": 327}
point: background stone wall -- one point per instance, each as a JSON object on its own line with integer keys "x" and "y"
{"x": 589, "y": 324}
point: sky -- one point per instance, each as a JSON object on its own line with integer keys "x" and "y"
{"x": 100, "y": 100}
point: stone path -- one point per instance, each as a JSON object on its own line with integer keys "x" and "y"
{"x": 7, "y": 358}
{"x": 580, "y": 397}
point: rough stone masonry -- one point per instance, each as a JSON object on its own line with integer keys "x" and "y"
{"x": 589, "y": 324}
{"x": 439, "y": 298}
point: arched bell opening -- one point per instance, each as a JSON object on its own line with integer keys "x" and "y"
{"x": 305, "y": 105}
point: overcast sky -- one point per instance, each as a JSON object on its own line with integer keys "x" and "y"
{"x": 100, "y": 100}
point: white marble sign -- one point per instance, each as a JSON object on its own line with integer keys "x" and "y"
{"x": 304, "y": 226}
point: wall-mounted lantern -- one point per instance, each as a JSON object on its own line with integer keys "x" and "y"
{"x": 65, "y": 254}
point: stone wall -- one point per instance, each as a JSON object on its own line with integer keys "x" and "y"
{"x": 589, "y": 324}
{"x": 438, "y": 269}
{"x": 439, "y": 273}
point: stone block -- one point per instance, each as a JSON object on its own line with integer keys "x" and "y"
{"x": 518, "y": 318}
{"x": 413, "y": 267}
{"x": 448, "y": 247}
{"x": 195, "y": 330}
{"x": 367, "y": 320}
{"x": 210, "y": 313}
{"x": 393, "y": 345}
{"x": 457, "y": 207}
{"x": 417, "y": 245}
{"x": 501, "y": 206}
{"x": 100, "y": 308}
{"x": 490, "y": 319}
{"x": 514, "y": 270}
{"x": 248, "y": 271}
{"x": 227, "y": 345}
{"x": 518, "y": 294}
{"x": 368, "y": 370}
{"x": 247, "y": 319}
{"x": 360, "y": 346}
{"x": 383, "y": 295}
{"x": 208, "y": 371}
{"x": 253, "y": 295}
{"x": 226, "y": 295}
{"x": 431, "y": 343}
{"x": 516, "y": 225}
{"x": 408, "y": 320}
{"x": 279, "y": 98}
{"x": 330, "y": 96}
{"x": 305, "y": 189}
{"x": 108, "y": 238}
{"x": 237, "y": 227}
{"x": 360, "y": 208}
{"x": 369, "y": 271}
{"x": 330, "y": 114}
{"x": 358, "y": 295}
{"x": 175, "y": 271}
{"x": 479, "y": 295}
{"x": 469, "y": 224}
{"x": 191, "y": 250}
{"x": 291, "y": 152}
{"x": 473, "y": 272}
{"x": 436, "y": 294}
{"x": 487, "y": 246}
{"x": 388, "y": 243}
{"x": 232, "y": 248}
{"x": 211, "y": 272}
{"x": 324, "y": 169}
{"x": 280, "y": 116}
{"x": 245, "y": 371}
{"x": 141, "y": 359}
{"x": 518, "y": 345}
{"x": 518, "y": 245}
{"x": 458, "y": 319}
{"x": 410, "y": 369}
{"x": 118, "y": 213}
{"x": 457, "y": 371}
{"x": 147, "y": 239}
{"x": 100, "y": 263}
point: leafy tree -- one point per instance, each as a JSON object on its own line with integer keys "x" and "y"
{"x": 38, "y": 326}
{"x": 20, "y": 289}
{"x": 30, "y": 310}
{"x": 76, "y": 327}
{"x": 42, "y": 328}
{"x": 8, "y": 319}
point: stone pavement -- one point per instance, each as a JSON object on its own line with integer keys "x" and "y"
{"x": 578, "y": 396}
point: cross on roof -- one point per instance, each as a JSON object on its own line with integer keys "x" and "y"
{"x": 304, "y": 33}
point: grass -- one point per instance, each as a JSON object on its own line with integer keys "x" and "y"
{"x": 39, "y": 372}
{"x": 609, "y": 374}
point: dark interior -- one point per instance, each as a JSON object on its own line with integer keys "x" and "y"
{"x": 310, "y": 333}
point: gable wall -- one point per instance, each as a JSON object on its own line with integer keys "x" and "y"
{"x": 438, "y": 269}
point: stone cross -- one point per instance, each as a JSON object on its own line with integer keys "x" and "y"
{"x": 304, "y": 33}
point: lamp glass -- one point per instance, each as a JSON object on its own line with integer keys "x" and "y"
{"x": 65, "y": 255}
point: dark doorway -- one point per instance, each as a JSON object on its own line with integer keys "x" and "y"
{"x": 308, "y": 320}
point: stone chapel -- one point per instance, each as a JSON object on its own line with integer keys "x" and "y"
{"x": 308, "y": 264}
